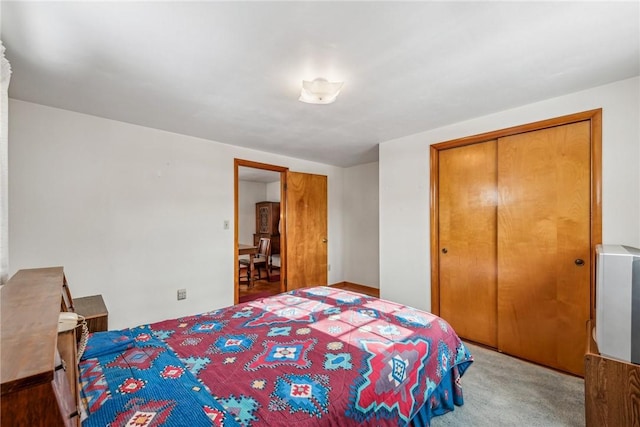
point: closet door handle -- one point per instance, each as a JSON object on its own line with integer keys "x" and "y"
{"x": 444, "y": 250}
{"x": 579, "y": 262}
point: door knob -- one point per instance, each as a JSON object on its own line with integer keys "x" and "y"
{"x": 324, "y": 240}
{"x": 444, "y": 250}
{"x": 579, "y": 262}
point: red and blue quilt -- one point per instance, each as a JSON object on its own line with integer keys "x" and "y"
{"x": 315, "y": 356}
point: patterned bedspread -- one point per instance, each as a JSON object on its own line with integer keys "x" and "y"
{"x": 317, "y": 356}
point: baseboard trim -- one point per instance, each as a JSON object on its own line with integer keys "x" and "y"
{"x": 367, "y": 290}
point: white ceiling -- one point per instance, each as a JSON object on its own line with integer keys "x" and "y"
{"x": 231, "y": 71}
{"x": 257, "y": 175}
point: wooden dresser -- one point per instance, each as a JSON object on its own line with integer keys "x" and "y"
{"x": 267, "y": 222}
{"x": 39, "y": 371}
{"x": 611, "y": 389}
{"x": 94, "y": 310}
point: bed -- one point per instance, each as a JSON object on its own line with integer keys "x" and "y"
{"x": 315, "y": 356}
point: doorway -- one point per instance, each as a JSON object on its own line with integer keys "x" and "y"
{"x": 302, "y": 226}
{"x": 256, "y": 183}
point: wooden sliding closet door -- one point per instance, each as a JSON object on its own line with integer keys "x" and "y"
{"x": 544, "y": 245}
{"x": 467, "y": 230}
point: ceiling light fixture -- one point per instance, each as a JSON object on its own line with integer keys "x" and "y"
{"x": 319, "y": 91}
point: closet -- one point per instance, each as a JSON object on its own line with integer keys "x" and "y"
{"x": 515, "y": 219}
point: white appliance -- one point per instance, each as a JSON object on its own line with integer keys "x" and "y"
{"x": 618, "y": 302}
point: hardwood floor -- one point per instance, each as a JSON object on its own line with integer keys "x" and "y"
{"x": 262, "y": 288}
{"x": 372, "y": 292}
{"x": 259, "y": 288}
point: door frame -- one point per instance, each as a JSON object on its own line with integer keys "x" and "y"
{"x": 237, "y": 163}
{"x": 595, "y": 119}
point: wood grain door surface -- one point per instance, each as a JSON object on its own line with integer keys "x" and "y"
{"x": 514, "y": 239}
{"x": 544, "y": 245}
{"x": 467, "y": 230}
{"x": 306, "y": 228}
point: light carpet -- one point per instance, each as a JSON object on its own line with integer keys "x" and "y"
{"x": 500, "y": 390}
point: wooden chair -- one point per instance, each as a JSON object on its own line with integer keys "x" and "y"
{"x": 261, "y": 259}
{"x": 243, "y": 272}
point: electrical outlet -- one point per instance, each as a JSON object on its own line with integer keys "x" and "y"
{"x": 182, "y": 294}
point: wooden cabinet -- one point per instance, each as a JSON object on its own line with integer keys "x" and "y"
{"x": 611, "y": 389}
{"x": 267, "y": 224}
{"x": 94, "y": 310}
{"x": 39, "y": 368}
{"x": 267, "y": 217}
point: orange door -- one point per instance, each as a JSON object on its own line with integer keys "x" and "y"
{"x": 467, "y": 231}
{"x": 306, "y": 230}
{"x": 544, "y": 245}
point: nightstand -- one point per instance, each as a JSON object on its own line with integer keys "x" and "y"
{"x": 94, "y": 311}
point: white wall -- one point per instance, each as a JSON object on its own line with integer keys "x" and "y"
{"x": 273, "y": 192}
{"x": 133, "y": 213}
{"x": 249, "y": 193}
{"x": 361, "y": 221}
{"x": 404, "y": 182}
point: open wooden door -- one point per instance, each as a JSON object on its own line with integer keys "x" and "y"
{"x": 306, "y": 230}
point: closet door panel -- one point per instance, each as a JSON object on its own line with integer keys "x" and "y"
{"x": 467, "y": 230}
{"x": 543, "y": 233}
